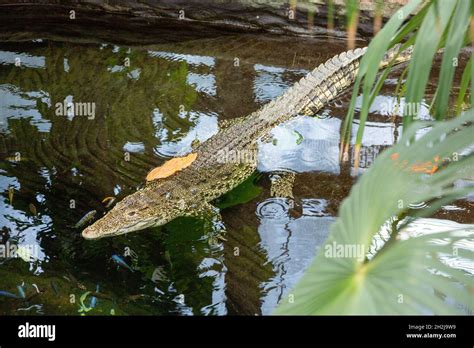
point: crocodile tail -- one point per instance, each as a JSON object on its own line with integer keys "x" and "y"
{"x": 328, "y": 80}
{"x": 323, "y": 84}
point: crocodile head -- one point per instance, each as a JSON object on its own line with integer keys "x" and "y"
{"x": 136, "y": 212}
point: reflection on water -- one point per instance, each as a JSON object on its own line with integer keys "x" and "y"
{"x": 290, "y": 244}
{"x": 149, "y": 104}
{"x": 270, "y": 82}
{"x": 387, "y": 105}
{"x": 429, "y": 226}
{"x": 303, "y": 145}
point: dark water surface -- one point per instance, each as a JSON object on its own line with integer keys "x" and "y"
{"x": 56, "y": 167}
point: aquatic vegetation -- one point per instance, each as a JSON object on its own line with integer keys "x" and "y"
{"x": 352, "y": 17}
{"x": 82, "y": 307}
{"x": 299, "y": 137}
{"x": 147, "y": 112}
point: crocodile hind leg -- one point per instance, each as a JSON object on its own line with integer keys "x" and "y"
{"x": 282, "y": 187}
{"x": 282, "y": 184}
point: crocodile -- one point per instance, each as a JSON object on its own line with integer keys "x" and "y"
{"x": 229, "y": 157}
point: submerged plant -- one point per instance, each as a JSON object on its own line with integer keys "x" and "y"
{"x": 404, "y": 275}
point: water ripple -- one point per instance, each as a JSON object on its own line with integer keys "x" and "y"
{"x": 273, "y": 208}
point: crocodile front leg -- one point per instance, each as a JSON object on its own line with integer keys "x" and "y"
{"x": 213, "y": 221}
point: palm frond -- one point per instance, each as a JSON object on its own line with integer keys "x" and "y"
{"x": 438, "y": 24}
{"x": 403, "y": 276}
{"x": 368, "y": 72}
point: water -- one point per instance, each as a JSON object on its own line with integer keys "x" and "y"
{"x": 134, "y": 108}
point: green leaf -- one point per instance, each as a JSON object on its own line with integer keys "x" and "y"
{"x": 369, "y": 67}
{"x": 399, "y": 277}
{"x": 426, "y": 44}
{"x": 466, "y": 77}
{"x": 455, "y": 39}
{"x": 436, "y": 24}
{"x": 244, "y": 193}
{"x": 299, "y": 137}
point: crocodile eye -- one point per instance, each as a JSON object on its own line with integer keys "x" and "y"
{"x": 131, "y": 213}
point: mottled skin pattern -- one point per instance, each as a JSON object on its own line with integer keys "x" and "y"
{"x": 188, "y": 192}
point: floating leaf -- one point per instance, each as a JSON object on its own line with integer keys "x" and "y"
{"x": 299, "y": 137}
{"x": 83, "y": 307}
{"x": 172, "y": 166}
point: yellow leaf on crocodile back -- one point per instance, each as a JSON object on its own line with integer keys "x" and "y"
{"x": 170, "y": 167}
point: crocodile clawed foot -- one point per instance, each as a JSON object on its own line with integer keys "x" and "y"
{"x": 216, "y": 233}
